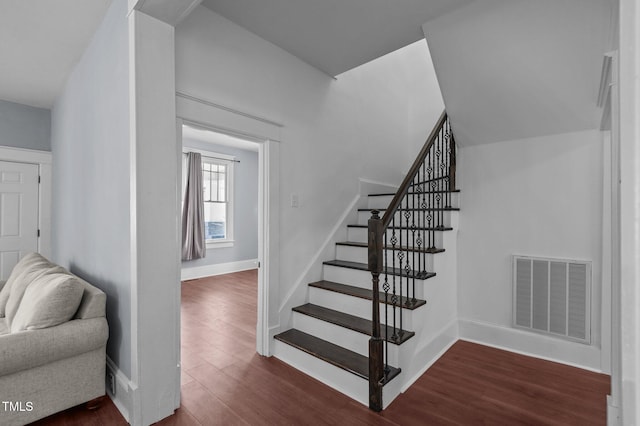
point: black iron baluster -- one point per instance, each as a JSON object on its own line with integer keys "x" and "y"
{"x": 423, "y": 206}
{"x": 400, "y": 265}
{"x": 445, "y": 161}
{"x": 385, "y": 287}
{"x": 439, "y": 180}
{"x": 394, "y": 297}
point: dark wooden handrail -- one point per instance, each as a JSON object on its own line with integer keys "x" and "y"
{"x": 406, "y": 183}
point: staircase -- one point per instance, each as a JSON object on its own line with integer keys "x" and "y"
{"x": 356, "y": 338}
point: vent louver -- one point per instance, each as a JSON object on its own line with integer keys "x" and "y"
{"x": 552, "y": 296}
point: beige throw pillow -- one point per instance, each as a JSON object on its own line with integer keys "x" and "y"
{"x": 51, "y": 299}
{"x": 29, "y": 263}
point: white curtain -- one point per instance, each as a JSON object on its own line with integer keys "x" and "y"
{"x": 193, "y": 243}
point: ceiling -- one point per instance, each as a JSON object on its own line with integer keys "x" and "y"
{"x": 40, "y": 43}
{"x": 335, "y": 35}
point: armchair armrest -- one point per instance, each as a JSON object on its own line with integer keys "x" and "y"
{"x": 32, "y": 348}
{"x": 2, "y": 283}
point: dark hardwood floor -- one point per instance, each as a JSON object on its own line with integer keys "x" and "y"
{"x": 225, "y": 382}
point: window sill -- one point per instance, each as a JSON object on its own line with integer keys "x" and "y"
{"x": 212, "y": 244}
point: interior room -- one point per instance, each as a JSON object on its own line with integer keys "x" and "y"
{"x": 413, "y": 211}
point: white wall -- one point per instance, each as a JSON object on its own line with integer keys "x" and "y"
{"x": 335, "y": 131}
{"x": 90, "y": 146}
{"x": 245, "y": 201}
{"x": 23, "y": 126}
{"x": 425, "y": 99}
{"x": 538, "y": 197}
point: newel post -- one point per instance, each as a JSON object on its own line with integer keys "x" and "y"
{"x": 376, "y": 353}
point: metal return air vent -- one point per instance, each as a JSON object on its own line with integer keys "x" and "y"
{"x": 552, "y": 296}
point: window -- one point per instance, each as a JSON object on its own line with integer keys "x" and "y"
{"x": 215, "y": 179}
{"x": 217, "y": 188}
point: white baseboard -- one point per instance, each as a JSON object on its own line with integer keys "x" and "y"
{"x": 218, "y": 269}
{"x": 125, "y": 389}
{"x": 531, "y": 344}
{"x": 613, "y": 413}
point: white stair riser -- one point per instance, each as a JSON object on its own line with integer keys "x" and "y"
{"x": 379, "y": 202}
{"x": 363, "y": 279}
{"x": 341, "y": 336}
{"x": 360, "y": 254}
{"x": 362, "y": 307}
{"x": 437, "y": 216}
{"x": 339, "y": 379}
{"x": 360, "y": 235}
{"x": 349, "y": 384}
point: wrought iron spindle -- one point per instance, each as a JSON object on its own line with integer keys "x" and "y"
{"x": 400, "y": 269}
{"x": 385, "y": 287}
{"x": 394, "y": 296}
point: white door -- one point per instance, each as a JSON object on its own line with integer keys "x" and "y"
{"x": 18, "y": 213}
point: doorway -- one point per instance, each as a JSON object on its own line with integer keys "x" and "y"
{"x": 230, "y": 196}
{"x": 204, "y": 114}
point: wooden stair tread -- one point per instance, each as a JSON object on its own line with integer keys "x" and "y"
{"x": 435, "y": 228}
{"x": 364, "y": 293}
{"x": 391, "y": 271}
{"x": 333, "y": 354}
{"x": 361, "y": 325}
{"x": 403, "y": 248}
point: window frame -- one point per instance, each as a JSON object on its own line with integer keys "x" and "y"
{"x": 229, "y": 161}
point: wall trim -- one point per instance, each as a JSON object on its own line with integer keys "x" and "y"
{"x": 23, "y": 155}
{"x": 224, "y": 108}
{"x": 124, "y": 390}
{"x": 613, "y": 412}
{"x": 195, "y": 272}
{"x": 534, "y": 345}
